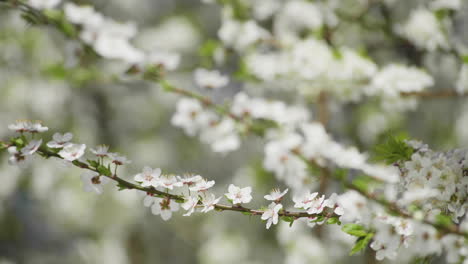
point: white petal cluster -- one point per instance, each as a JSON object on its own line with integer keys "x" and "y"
{"x": 424, "y": 30}
{"x": 241, "y": 35}
{"x": 72, "y": 151}
{"x": 148, "y": 177}
{"x": 394, "y": 78}
{"x": 21, "y": 156}
{"x": 295, "y": 17}
{"x": 93, "y": 182}
{"x": 109, "y": 38}
{"x": 60, "y": 140}
{"x": 239, "y": 195}
{"x": 22, "y": 126}
{"x": 210, "y": 79}
{"x": 161, "y": 206}
{"x": 222, "y": 134}
{"x": 271, "y": 214}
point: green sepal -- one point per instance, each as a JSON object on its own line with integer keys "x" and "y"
{"x": 333, "y": 220}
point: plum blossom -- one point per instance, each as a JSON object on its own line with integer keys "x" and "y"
{"x": 148, "y": 200}
{"x": 28, "y": 126}
{"x": 190, "y": 205}
{"x": 31, "y": 147}
{"x": 60, "y": 140}
{"x": 424, "y": 30}
{"x": 239, "y": 195}
{"x": 191, "y": 116}
{"x": 118, "y": 159}
{"x": 304, "y": 200}
{"x": 148, "y": 177}
{"x": 271, "y": 214}
{"x": 93, "y": 182}
{"x": 72, "y": 152}
{"x": 164, "y": 207}
{"x": 275, "y": 195}
{"x": 168, "y": 60}
{"x": 202, "y": 186}
{"x": 169, "y": 182}
{"x": 190, "y": 180}
{"x": 101, "y": 151}
{"x": 209, "y": 202}
{"x": 210, "y": 79}
{"x": 19, "y": 157}
{"x": 395, "y": 78}
{"x": 222, "y": 136}
{"x": 241, "y": 35}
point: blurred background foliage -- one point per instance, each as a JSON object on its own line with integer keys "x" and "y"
{"x": 45, "y": 217}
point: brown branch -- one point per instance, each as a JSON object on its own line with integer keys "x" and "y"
{"x": 47, "y": 153}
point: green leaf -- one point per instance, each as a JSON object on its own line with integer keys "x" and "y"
{"x": 393, "y": 150}
{"x": 361, "y": 243}
{"x": 354, "y": 230}
{"x": 246, "y": 213}
{"x": 103, "y": 170}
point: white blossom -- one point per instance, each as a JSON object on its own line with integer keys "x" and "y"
{"x": 169, "y": 60}
{"x": 210, "y": 79}
{"x": 209, "y": 202}
{"x": 148, "y": 177}
{"x": 304, "y": 200}
{"x": 118, "y": 159}
{"x": 190, "y": 204}
{"x": 190, "y": 180}
{"x": 424, "y": 30}
{"x": 275, "y": 195}
{"x": 222, "y": 136}
{"x": 271, "y": 214}
{"x": 394, "y": 78}
{"x": 28, "y": 126}
{"x": 169, "y": 182}
{"x": 241, "y": 35}
{"x": 93, "y": 182}
{"x": 239, "y": 195}
{"x": 59, "y": 140}
{"x": 72, "y": 152}
{"x": 202, "y": 186}
{"x": 164, "y": 207}
{"x": 191, "y": 116}
{"x": 101, "y": 151}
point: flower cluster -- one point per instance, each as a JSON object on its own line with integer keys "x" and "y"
{"x": 192, "y": 190}
{"x": 418, "y": 206}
